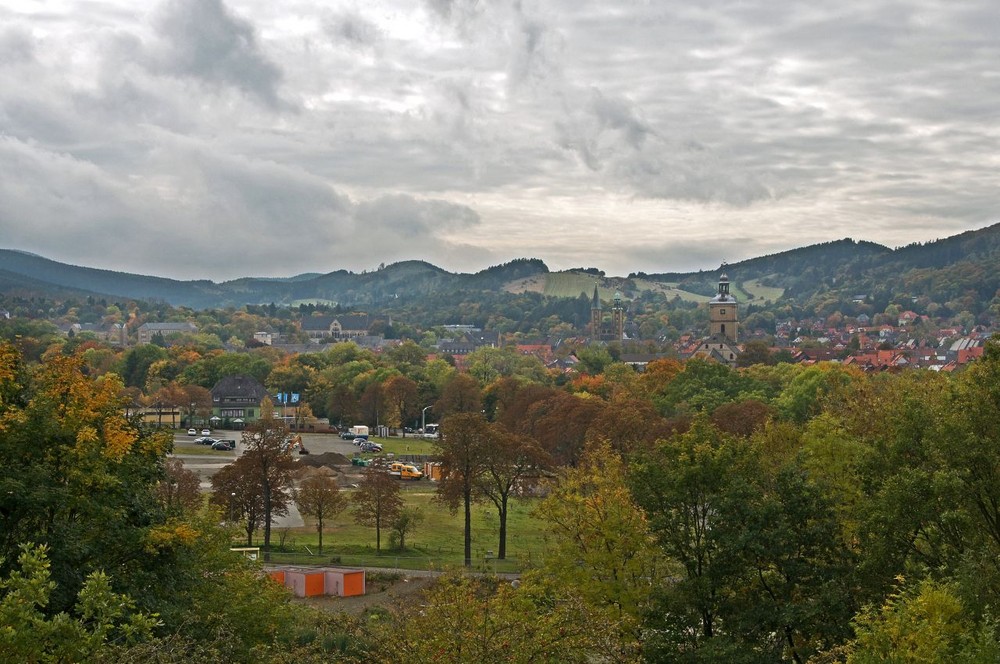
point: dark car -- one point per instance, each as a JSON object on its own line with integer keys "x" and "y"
{"x": 206, "y": 440}
{"x": 223, "y": 445}
{"x": 347, "y": 435}
{"x": 370, "y": 447}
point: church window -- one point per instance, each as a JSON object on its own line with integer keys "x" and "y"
{"x": 722, "y": 312}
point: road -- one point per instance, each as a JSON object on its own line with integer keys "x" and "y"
{"x": 205, "y": 465}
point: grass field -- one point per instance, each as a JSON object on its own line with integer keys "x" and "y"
{"x": 670, "y": 290}
{"x": 436, "y": 543}
{"x": 571, "y": 284}
{"x": 408, "y": 445}
{"x": 766, "y": 293}
{"x": 201, "y": 450}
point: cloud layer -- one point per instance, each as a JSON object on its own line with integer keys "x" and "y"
{"x": 218, "y": 139}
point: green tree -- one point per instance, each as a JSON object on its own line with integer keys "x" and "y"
{"x": 405, "y": 522}
{"x": 464, "y": 619}
{"x": 598, "y": 541}
{"x": 927, "y": 623}
{"x": 30, "y": 634}
{"x": 461, "y": 394}
{"x": 766, "y": 574}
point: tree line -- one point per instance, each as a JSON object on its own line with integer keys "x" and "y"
{"x": 694, "y": 513}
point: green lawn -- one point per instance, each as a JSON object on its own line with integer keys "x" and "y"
{"x": 435, "y": 544}
{"x": 571, "y": 284}
{"x": 766, "y": 293}
{"x": 201, "y": 450}
{"x": 408, "y": 445}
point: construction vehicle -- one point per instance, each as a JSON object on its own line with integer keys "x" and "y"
{"x": 295, "y": 442}
{"x": 405, "y": 471}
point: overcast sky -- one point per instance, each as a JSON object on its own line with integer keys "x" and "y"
{"x": 225, "y": 138}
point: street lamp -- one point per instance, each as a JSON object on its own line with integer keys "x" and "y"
{"x": 423, "y": 418}
{"x": 232, "y": 499}
{"x": 191, "y": 416}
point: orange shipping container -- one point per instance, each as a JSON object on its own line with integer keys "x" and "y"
{"x": 345, "y": 582}
{"x": 305, "y": 583}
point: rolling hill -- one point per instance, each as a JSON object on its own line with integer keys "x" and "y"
{"x": 962, "y": 266}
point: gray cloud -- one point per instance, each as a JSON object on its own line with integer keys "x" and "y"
{"x": 16, "y": 47}
{"x": 645, "y": 136}
{"x": 353, "y": 30}
{"x": 204, "y": 40}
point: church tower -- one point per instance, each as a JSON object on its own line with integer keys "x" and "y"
{"x": 618, "y": 318}
{"x": 722, "y": 312}
{"x": 596, "y": 316}
{"x": 601, "y": 330}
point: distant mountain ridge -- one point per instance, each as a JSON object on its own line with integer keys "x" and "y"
{"x": 949, "y": 267}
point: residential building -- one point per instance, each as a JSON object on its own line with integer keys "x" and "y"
{"x": 340, "y": 327}
{"x": 236, "y": 401}
{"x": 149, "y": 330}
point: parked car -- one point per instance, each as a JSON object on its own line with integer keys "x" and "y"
{"x": 206, "y": 440}
{"x": 368, "y": 446}
{"x": 192, "y": 432}
{"x": 206, "y": 432}
{"x": 223, "y": 445}
{"x": 347, "y": 435}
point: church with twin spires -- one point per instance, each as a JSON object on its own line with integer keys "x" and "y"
{"x": 605, "y": 330}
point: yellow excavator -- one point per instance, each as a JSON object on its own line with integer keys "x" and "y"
{"x": 295, "y": 442}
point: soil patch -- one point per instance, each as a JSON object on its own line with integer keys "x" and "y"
{"x": 328, "y": 459}
{"x": 383, "y": 590}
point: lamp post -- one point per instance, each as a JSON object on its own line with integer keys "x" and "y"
{"x": 232, "y": 499}
{"x": 191, "y": 416}
{"x": 423, "y": 418}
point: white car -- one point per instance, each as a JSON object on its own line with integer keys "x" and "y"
{"x": 206, "y": 432}
{"x": 192, "y": 432}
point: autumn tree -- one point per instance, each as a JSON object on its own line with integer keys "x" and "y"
{"x": 560, "y": 424}
{"x": 267, "y": 459}
{"x": 512, "y": 463}
{"x": 76, "y": 474}
{"x": 461, "y": 394}
{"x": 180, "y": 490}
{"x": 400, "y": 394}
{"x": 597, "y": 538}
{"x": 466, "y": 439}
{"x": 319, "y": 496}
{"x": 377, "y": 501}
{"x": 467, "y": 619}
{"x": 236, "y": 492}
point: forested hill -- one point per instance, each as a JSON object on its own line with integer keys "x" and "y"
{"x": 27, "y": 274}
{"x": 963, "y": 266}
